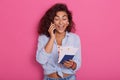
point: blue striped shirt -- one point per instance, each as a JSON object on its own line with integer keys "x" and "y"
{"x": 49, "y": 61}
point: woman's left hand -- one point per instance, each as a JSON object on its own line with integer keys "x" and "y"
{"x": 68, "y": 64}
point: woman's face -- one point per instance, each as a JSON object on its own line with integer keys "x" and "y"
{"x": 61, "y": 21}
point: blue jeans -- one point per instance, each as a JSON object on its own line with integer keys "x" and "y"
{"x": 71, "y": 77}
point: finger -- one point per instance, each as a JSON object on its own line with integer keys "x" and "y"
{"x": 51, "y": 23}
{"x": 51, "y": 27}
{"x": 67, "y": 62}
{"x": 52, "y": 30}
{"x": 67, "y": 65}
{"x": 71, "y": 60}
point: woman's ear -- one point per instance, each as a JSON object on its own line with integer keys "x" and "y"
{"x": 67, "y": 23}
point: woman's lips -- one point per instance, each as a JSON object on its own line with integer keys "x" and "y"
{"x": 61, "y": 27}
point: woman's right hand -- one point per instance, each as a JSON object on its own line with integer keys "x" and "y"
{"x": 49, "y": 45}
{"x": 51, "y": 30}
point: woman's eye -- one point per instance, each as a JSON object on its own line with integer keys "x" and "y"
{"x": 64, "y": 19}
{"x": 56, "y": 19}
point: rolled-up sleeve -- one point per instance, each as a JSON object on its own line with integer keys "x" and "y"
{"x": 41, "y": 55}
{"x": 77, "y": 57}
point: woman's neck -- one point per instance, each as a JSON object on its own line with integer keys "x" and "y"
{"x": 60, "y": 35}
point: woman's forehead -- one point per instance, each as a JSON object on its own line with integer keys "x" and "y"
{"x": 61, "y": 13}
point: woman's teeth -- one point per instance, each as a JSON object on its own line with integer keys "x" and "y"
{"x": 60, "y": 27}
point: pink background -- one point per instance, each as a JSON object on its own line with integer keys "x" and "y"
{"x": 97, "y": 23}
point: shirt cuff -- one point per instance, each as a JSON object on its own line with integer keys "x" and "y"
{"x": 45, "y": 53}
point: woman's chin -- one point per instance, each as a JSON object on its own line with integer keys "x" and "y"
{"x": 61, "y": 31}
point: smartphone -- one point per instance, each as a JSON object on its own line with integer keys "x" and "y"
{"x": 54, "y": 29}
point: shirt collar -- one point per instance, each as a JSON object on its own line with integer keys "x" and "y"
{"x": 67, "y": 34}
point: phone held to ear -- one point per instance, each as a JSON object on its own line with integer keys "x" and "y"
{"x": 54, "y": 29}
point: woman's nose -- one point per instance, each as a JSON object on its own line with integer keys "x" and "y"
{"x": 60, "y": 22}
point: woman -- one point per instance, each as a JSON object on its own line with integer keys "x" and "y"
{"x": 55, "y": 31}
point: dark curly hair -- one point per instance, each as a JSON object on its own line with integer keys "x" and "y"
{"x": 48, "y": 17}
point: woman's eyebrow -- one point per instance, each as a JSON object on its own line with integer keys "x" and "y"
{"x": 65, "y": 16}
{"x": 62, "y": 16}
